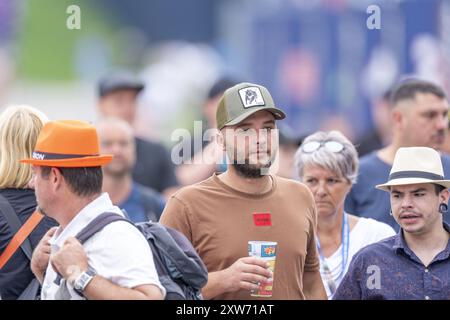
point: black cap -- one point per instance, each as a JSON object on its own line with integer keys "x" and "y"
{"x": 220, "y": 86}
{"x": 119, "y": 80}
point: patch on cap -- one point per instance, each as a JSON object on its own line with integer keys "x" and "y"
{"x": 251, "y": 97}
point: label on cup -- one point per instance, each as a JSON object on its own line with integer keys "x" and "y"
{"x": 266, "y": 250}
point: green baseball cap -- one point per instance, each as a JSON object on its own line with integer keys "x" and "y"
{"x": 243, "y": 100}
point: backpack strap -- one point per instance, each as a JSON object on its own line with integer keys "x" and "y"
{"x": 20, "y": 238}
{"x": 14, "y": 223}
{"x": 97, "y": 224}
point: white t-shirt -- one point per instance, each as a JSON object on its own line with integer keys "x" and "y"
{"x": 365, "y": 232}
{"x": 118, "y": 253}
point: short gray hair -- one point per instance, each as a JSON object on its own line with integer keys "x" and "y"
{"x": 345, "y": 163}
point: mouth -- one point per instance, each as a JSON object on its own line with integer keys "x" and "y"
{"x": 439, "y": 138}
{"x": 259, "y": 156}
{"x": 410, "y": 218}
{"x": 260, "y": 152}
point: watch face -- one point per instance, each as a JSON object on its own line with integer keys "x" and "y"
{"x": 82, "y": 281}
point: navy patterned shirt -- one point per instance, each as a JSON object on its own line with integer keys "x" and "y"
{"x": 389, "y": 269}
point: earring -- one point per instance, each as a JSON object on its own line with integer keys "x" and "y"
{"x": 390, "y": 212}
{"x": 443, "y": 208}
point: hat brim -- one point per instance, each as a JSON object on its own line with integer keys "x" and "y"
{"x": 404, "y": 181}
{"x": 277, "y": 113}
{"x": 90, "y": 161}
{"x": 118, "y": 87}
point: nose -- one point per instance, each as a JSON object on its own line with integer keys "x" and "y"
{"x": 262, "y": 136}
{"x": 265, "y": 139}
{"x": 407, "y": 202}
{"x": 321, "y": 189}
{"x": 115, "y": 149}
{"x": 442, "y": 122}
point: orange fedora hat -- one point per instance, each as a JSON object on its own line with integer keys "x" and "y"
{"x": 68, "y": 143}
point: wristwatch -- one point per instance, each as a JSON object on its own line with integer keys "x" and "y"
{"x": 82, "y": 281}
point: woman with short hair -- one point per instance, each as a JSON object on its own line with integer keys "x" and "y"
{"x": 327, "y": 162}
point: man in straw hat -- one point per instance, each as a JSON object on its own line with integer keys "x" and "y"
{"x": 116, "y": 263}
{"x": 222, "y": 214}
{"x": 413, "y": 264}
{"x": 419, "y": 119}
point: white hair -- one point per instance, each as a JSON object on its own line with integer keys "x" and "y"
{"x": 344, "y": 163}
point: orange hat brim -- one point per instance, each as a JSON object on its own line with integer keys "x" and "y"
{"x": 89, "y": 161}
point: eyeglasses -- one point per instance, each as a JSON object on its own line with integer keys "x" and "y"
{"x": 332, "y": 146}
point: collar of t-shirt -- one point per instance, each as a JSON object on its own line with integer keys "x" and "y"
{"x": 89, "y": 212}
{"x": 230, "y": 189}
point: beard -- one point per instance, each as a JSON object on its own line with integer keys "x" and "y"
{"x": 253, "y": 171}
{"x": 248, "y": 166}
{"x": 117, "y": 172}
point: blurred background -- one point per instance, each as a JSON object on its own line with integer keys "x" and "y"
{"x": 319, "y": 59}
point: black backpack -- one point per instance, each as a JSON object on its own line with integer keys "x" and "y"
{"x": 180, "y": 269}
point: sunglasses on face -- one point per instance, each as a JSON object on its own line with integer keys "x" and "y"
{"x": 332, "y": 146}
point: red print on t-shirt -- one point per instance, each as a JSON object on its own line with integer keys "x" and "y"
{"x": 262, "y": 219}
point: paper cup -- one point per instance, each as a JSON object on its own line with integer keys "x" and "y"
{"x": 266, "y": 250}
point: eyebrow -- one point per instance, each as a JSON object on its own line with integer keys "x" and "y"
{"x": 435, "y": 110}
{"x": 414, "y": 191}
{"x": 243, "y": 124}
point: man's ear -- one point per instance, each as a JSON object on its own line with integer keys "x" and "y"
{"x": 398, "y": 118}
{"x": 444, "y": 195}
{"x": 101, "y": 107}
{"x": 56, "y": 178}
{"x": 221, "y": 139}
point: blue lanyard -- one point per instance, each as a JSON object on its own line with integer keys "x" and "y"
{"x": 344, "y": 251}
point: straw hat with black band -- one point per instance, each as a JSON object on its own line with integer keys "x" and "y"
{"x": 415, "y": 165}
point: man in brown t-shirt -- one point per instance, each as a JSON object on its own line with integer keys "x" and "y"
{"x": 221, "y": 214}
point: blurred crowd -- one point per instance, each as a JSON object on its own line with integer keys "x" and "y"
{"x": 295, "y": 129}
{"x": 330, "y": 205}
